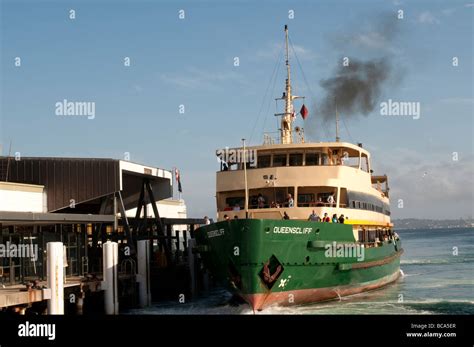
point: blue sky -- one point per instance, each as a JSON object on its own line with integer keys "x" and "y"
{"x": 190, "y": 62}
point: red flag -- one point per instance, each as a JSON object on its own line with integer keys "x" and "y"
{"x": 304, "y": 112}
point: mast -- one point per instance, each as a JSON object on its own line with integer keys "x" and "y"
{"x": 287, "y": 119}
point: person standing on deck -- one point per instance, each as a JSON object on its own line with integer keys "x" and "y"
{"x": 331, "y": 200}
{"x": 326, "y": 218}
{"x": 260, "y": 201}
{"x": 341, "y": 219}
{"x": 291, "y": 202}
{"x": 314, "y": 217}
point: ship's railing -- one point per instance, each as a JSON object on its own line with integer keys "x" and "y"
{"x": 271, "y": 138}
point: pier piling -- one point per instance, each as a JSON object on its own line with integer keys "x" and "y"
{"x": 110, "y": 286}
{"x": 55, "y": 273}
{"x": 143, "y": 255}
{"x": 192, "y": 266}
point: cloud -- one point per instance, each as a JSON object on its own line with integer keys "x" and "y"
{"x": 195, "y": 78}
{"x": 427, "y": 18}
{"x": 137, "y": 88}
{"x": 464, "y": 101}
{"x": 449, "y": 11}
{"x": 369, "y": 37}
{"x": 430, "y": 186}
{"x": 371, "y": 40}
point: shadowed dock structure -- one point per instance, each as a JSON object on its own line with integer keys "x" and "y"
{"x": 83, "y": 203}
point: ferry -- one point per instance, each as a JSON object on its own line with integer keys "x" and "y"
{"x": 299, "y": 222}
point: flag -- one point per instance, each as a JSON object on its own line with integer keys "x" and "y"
{"x": 304, "y": 112}
{"x": 176, "y": 172}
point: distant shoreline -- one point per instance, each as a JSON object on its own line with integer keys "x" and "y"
{"x": 432, "y": 228}
{"x": 414, "y": 224}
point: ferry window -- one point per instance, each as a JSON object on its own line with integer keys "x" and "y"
{"x": 296, "y": 159}
{"x": 324, "y": 159}
{"x": 353, "y": 204}
{"x": 350, "y": 160}
{"x": 312, "y": 158}
{"x": 364, "y": 164}
{"x": 305, "y": 200}
{"x": 279, "y": 160}
{"x": 263, "y": 161}
{"x": 233, "y": 202}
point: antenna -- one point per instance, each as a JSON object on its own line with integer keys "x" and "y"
{"x": 337, "y": 124}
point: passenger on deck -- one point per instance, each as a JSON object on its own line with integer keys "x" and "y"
{"x": 320, "y": 202}
{"x": 341, "y": 219}
{"x": 206, "y": 220}
{"x": 334, "y": 218}
{"x": 326, "y": 218}
{"x": 331, "y": 200}
{"x": 228, "y": 208}
{"x": 314, "y": 217}
{"x": 291, "y": 202}
{"x": 273, "y": 205}
{"x": 236, "y": 217}
{"x": 261, "y": 201}
{"x": 237, "y": 207}
{"x": 226, "y": 217}
{"x": 285, "y": 215}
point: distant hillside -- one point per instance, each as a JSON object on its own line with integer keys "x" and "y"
{"x": 412, "y": 223}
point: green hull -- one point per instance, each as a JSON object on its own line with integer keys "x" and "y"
{"x": 294, "y": 262}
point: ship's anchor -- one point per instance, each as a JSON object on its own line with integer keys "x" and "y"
{"x": 267, "y": 277}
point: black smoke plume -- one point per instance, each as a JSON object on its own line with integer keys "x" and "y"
{"x": 357, "y": 87}
{"x": 354, "y": 88}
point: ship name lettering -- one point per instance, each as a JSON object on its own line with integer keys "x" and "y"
{"x": 215, "y": 233}
{"x": 292, "y": 230}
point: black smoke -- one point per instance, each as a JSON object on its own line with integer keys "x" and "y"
{"x": 355, "y": 88}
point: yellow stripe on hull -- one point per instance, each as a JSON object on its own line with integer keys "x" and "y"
{"x": 367, "y": 222}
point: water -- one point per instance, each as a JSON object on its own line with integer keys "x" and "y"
{"x": 433, "y": 281}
